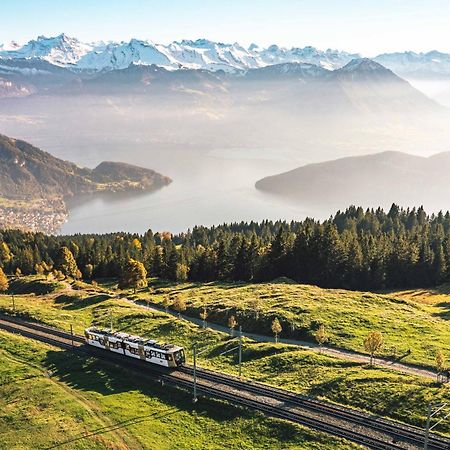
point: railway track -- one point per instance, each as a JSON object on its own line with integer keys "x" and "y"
{"x": 365, "y": 429}
{"x": 408, "y": 433}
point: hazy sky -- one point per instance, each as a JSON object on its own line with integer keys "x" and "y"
{"x": 366, "y": 26}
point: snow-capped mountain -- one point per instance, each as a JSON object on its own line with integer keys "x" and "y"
{"x": 69, "y": 52}
{"x": 60, "y": 50}
{"x": 66, "y": 51}
{"x": 417, "y": 64}
{"x": 9, "y": 46}
{"x": 328, "y": 59}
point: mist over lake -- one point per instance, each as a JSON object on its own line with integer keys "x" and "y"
{"x": 216, "y": 189}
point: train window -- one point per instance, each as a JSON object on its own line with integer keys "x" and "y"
{"x": 100, "y": 341}
{"x": 153, "y": 354}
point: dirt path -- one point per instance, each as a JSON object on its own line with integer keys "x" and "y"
{"x": 336, "y": 352}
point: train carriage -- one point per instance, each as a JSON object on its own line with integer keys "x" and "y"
{"x": 167, "y": 355}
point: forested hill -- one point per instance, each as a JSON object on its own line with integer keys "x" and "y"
{"x": 356, "y": 249}
{"x": 369, "y": 180}
{"x": 27, "y": 172}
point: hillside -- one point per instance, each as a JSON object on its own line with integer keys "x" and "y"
{"x": 58, "y": 399}
{"x": 27, "y": 172}
{"x": 377, "y": 390}
{"x": 370, "y": 180}
{"x": 34, "y": 185}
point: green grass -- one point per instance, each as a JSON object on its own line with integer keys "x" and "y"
{"x": 406, "y": 324}
{"x": 52, "y": 398}
{"x": 376, "y": 390}
{"x": 38, "y": 285}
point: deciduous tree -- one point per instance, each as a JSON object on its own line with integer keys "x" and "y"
{"x": 65, "y": 263}
{"x": 179, "y": 305}
{"x": 4, "y": 285}
{"x": 134, "y": 275}
{"x": 204, "y": 316}
{"x": 321, "y": 336}
{"x": 440, "y": 363}
{"x": 276, "y": 328}
{"x": 373, "y": 343}
{"x": 232, "y": 324}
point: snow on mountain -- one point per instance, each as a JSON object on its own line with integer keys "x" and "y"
{"x": 121, "y": 55}
{"x": 69, "y": 52}
{"x": 9, "y": 46}
{"x": 205, "y": 54}
{"x": 329, "y": 59}
{"x": 61, "y": 50}
{"x": 66, "y": 51}
{"x": 433, "y": 63}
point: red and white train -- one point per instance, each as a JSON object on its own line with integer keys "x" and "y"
{"x": 167, "y": 355}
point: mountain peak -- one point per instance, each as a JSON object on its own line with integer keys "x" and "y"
{"x": 67, "y": 51}
{"x": 363, "y": 65}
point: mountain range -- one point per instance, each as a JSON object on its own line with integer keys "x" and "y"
{"x": 370, "y": 180}
{"x": 71, "y": 53}
{"x": 361, "y": 86}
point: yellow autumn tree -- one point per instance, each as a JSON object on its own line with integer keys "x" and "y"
{"x": 373, "y": 343}
{"x": 276, "y": 328}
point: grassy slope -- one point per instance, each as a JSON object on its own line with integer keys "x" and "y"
{"x": 49, "y": 397}
{"x": 348, "y": 316}
{"x": 380, "y": 391}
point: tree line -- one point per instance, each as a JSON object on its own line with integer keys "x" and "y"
{"x": 354, "y": 249}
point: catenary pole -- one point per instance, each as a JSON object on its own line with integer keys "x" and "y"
{"x": 240, "y": 351}
{"x": 195, "y": 372}
{"x": 427, "y": 428}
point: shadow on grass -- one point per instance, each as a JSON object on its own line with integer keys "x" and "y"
{"x": 116, "y": 426}
{"x": 445, "y": 313}
{"x": 89, "y": 373}
{"x": 72, "y": 302}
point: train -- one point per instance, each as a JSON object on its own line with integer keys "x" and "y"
{"x": 148, "y": 350}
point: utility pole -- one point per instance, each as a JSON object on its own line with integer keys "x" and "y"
{"x": 240, "y": 351}
{"x": 71, "y": 334}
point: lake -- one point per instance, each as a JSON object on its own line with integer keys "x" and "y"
{"x": 208, "y": 188}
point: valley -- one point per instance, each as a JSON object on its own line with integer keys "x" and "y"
{"x": 215, "y": 133}
{"x": 264, "y": 228}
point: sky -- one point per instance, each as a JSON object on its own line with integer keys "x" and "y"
{"x": 368, "y": 27}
